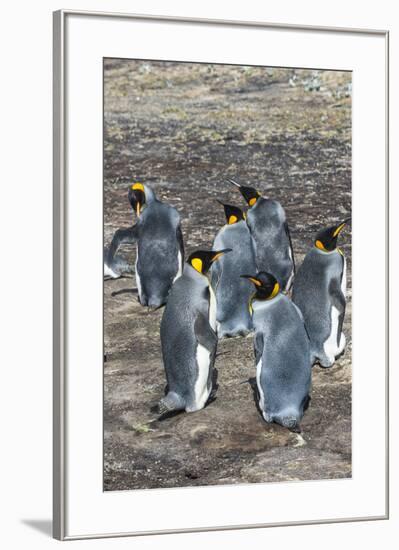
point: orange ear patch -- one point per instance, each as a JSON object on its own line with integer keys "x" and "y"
{"x": 197, "y": 264}
{"x": 252, "y": 201}
{"x": 232, "y": 219}
{"x": 320, "y": 245}
{"x": 138, "y": 185}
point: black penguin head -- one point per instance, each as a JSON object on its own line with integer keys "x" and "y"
{"x": 137, "y": 197}
{"x": 233, "y": 213}
{"x": 250, "y": 194}
{"x": 201, "y": 260}
{"x": 266, "y": 285}
{"x": 326, "y": 239}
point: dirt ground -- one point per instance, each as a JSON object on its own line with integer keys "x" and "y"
{"x": 182, "y": 129}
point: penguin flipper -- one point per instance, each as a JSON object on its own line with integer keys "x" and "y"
{"x": 121, "y": 236}
{"x": 338, "y": 300}
{"x": 258, "y": 346}
{"x": 204, "y": 333}
{"x": 215, "y": 275}
{"x": 302, "y": 319}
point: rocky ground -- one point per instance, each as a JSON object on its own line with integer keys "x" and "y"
{"x": 184, "y": 128}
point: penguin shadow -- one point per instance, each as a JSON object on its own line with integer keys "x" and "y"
{"x": 124, "y": 291}
{"x": 122, "y": 276}
{"x": 255, "y": 392}
{"x": 340, "y": 355}
{"x": 170, "y": 414}
{"x": 215, "y": 386}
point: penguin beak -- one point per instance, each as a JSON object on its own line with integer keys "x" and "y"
{"x": 140, "y": 199}
{"x": 340, "y": 228}
{"x": 253, "y": 279}
{"x": 234, "y": 182}
{"x": 220, "y": 253}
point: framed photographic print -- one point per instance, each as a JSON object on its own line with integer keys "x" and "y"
{"x": 220, "y": 269}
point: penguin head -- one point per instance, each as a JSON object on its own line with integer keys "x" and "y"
{"x": 137, "y": 197}
{"x": 233, "y": 213}
{"x": 326, "y": 239}
{"x": 266, "y": 285}
{"x": 201, "y": 260}
{"x": 250, "y": 194}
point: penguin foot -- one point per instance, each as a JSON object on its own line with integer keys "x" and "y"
{"x": 240, "y": 333}
{"x": 171, "y": 402}
{"x": 325, "y": 365}
{"x": 296, "y": 429}
{"x": 151, "y": 309}
{"x": 325, "y": 361}
{"x": 243, "y": 333}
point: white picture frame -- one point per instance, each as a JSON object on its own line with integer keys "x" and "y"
{"x": 81, "y": 508}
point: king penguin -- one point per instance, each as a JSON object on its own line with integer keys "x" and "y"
{"x": 160, "y": 249}
{"x": 268, "y": 225}
{"x": 282, "y": 353}
{"x": 188, "y": 337}
{"x": 319, "y": 292}
{"x": 232, "y": 292}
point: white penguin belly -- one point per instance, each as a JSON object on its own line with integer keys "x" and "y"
{"x": 331, "y": 348}
{"x": 342, "y": 342}
{"x": 138, "y": 282}
{"x": 261, "y": 394}
{"x": 289, "y": 282}
{"x": 180, "y": 266}
{"x": 201, "y": 391}
{"x": 203, "y": 356}
{"x": 330, "y": 345}
{"x": 212, "y": 308}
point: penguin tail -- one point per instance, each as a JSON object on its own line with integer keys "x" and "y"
{"x": 291, "y": 422}
{"x": 171, "y": 402}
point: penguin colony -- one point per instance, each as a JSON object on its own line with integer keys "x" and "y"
{"x": 246, "y": 283}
